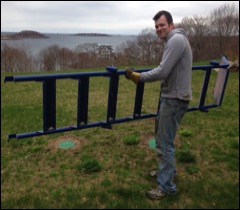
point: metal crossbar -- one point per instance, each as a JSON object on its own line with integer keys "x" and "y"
{"x": 49, "y": 97}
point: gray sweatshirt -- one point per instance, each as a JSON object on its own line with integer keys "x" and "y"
{"x": 175, "y": 69}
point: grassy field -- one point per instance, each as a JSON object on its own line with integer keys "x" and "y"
{"x": 109, "y": 168}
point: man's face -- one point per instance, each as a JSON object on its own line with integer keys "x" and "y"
{"x": 162, "y": 27}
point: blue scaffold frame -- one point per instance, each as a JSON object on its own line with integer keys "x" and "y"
{"x": 49, "y": 97}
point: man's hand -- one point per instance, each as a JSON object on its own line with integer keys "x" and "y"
{"x": 134, "y": 76}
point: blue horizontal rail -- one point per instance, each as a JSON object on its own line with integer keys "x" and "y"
{"x": 49, "y": 97}
{"x": 44, "y": 77}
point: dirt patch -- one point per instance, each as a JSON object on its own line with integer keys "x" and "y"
{"x": 54, "y": 143}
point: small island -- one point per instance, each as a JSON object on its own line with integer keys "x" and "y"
{"x": 26, "y": 34}
{"x": 90, "y": 34}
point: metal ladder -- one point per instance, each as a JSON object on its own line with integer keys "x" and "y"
{"x": 49, "y": 97}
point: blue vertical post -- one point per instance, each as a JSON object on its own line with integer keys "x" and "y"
{"x": 138, "y": 100}
{"x": 49, "y": 104}
{"x": 204, "y": 91}
{"x": 83, "y": 92}
{"x": 112, "y": 95}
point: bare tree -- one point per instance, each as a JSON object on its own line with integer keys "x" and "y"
{"x": 16, "y": 59}
{"x": 49, "y": 57}
{"x": 81, "y": 60}
{"x": 90, "y": 48}
{"x": 65, "y": 58}
{"x": 130, "y": 51}
{"x": 149, "y": 46}
{"x": 224, "y": 24}
{"x": 88, "y": 52}
{"x": 146, "y": 49}
{"x": 197, "y": 29}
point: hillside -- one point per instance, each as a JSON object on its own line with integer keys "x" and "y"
{"x": 91, "y": 34}
{"x": 25, "y": 34}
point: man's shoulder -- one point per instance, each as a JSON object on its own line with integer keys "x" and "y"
{"x": 176, "y": 39}
{"x": 178, "y": 36}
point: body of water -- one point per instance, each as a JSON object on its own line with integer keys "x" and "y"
{"x": 68, "y": 41}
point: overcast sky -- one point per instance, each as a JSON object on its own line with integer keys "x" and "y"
{"x": 111, "y": 17}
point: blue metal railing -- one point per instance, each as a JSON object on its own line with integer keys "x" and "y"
{"x": 49, "y": 97}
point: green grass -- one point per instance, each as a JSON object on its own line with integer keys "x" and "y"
{"x": 109, "y": 168}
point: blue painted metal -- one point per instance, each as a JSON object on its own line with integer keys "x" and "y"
{"x": 82, "y": 111}
{"x": 138, "y": 100}
{"x": 49, "y": 104}
{"x": 49, "y": 97}
{"x": 112, "y": 97}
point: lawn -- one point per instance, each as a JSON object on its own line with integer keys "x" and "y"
{"x": 109, "y": 168}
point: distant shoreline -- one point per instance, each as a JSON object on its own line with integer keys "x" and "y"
{"x": 5, "y": 34}
{"x": 90, "y": 34}
{"x": 65, "y": 40}
{"x": 26, "y": 34}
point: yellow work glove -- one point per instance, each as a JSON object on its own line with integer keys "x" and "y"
{"x": 134, "y": 76}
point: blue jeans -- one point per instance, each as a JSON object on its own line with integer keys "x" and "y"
{"x": 170, "y": 114}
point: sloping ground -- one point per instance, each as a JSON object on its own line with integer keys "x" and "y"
{"x": 26, "y": 34}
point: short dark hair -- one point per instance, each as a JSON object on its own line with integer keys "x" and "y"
{"x": 166, "y": 14}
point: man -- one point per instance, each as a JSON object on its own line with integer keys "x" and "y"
{"x": 175, "y": 74}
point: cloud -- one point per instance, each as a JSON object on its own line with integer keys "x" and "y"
{"x": 94, "y": 16}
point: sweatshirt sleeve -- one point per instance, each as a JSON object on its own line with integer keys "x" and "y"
{"x": 173, "y": 51}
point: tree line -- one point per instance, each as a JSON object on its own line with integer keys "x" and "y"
{"x": 210, "y": 36}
